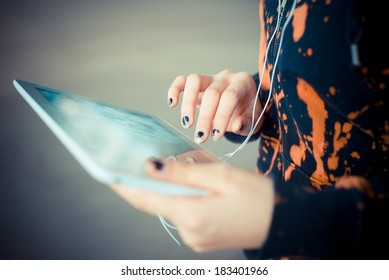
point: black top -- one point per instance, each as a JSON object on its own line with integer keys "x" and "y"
{"x": 327, "y": 119}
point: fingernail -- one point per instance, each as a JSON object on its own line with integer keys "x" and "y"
{"x": 171, "y": 158}
{"x": 215, "y": 132}
{"x": 158, "y": 165}
{"x": 170, "y": 102}
{"x": 199, "y": 135}
{"x": 185, "y": 121}
{"x": 190, "y": 160}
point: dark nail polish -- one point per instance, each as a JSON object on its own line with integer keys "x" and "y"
{"x": 170, "y": 102}
{"x": 215, "y": 132}
{"x": 185, "y": 121}
{"x": 158, "y": 165}
{"x": 199, "y": 134}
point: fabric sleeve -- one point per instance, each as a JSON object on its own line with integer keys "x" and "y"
{"x": 328, "y": 224}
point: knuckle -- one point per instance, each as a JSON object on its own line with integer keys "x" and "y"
{"x": 211, "y": 92}
{"x": 226, "y": 72}
{"x": 232, "y": 94}
{"x": 243, "y": 75}
{"x": 194, "y": 78}
{"x": 180, "y": 78}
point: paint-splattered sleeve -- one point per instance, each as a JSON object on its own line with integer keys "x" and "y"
{"x": 334, "y": 224}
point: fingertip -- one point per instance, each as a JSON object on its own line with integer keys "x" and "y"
{"x": 153, "y": 165}
{"x": 185, "y": 121}
{"x": 236, "y": 126}
{"x": 200, "y": 136}
{"x": 114, "y": 187}
{"x": 125, "y": 192}
{"x": 216, "y": 134}
{"x": 170, "y": 102}
{"x": 189, "y": 160}
{"x": 241, "y": 127}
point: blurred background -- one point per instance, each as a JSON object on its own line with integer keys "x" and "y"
{"x": 122, "y": 52}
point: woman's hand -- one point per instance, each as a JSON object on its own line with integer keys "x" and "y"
{"x": 235, "y": 213}
{"x": 225, "y": 103}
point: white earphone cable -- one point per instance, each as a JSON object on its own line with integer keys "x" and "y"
{"x": 253, "y": 127}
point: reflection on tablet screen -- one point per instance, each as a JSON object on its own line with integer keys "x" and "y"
{"x": 117, "y": 139}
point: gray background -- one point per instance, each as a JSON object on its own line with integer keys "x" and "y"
{"x": 122, "y": 52}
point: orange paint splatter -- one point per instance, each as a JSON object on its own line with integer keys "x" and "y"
{"x": 332, "y": 90}
{"x": 379, "y": 103}
{"x": 381, "y": 86}
{"x": 355, "y": 182}
{"x": 355, "y": 155}
{"x": 299, "y": 21}
{"x": 275, "y": 144}
{"x": 354, "y": 115}
{"x": 339, "y": 142}
{"x": 385, "y": 136}
{"x": 297, "y": 154}
{"x": 347, "y": 127}
{"x": 278, "y": 198}
{"x": 279, "y": 97}
{"x": 385, "y": 71}
{"x": 288, "y": 172}
{"x": 309, "y": 51}
{"x": 318, "y": 113}
{"x": 332, "y": 178}
{"x": 364, "y": 70}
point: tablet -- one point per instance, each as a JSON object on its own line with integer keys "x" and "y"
{"x": 112, "y": 142}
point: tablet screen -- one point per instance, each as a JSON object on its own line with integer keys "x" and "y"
{"x": 116, "y": 138}
{"x": 112, "y": 142}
